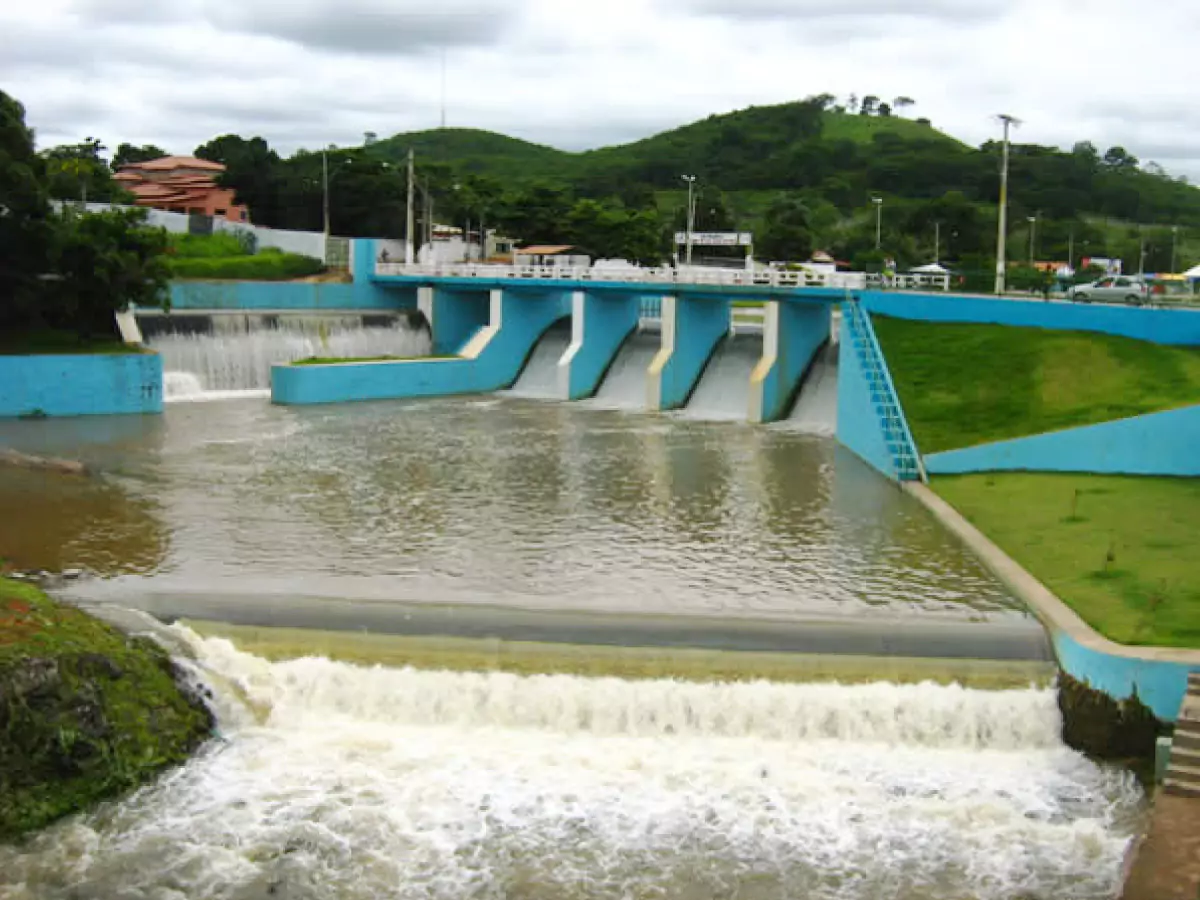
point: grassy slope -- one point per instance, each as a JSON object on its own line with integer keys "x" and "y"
{"x": 85, "y": 712}
{"x": 46, "y": 341}
{"x": 962, "y": 385}
{"x": 1065, "y": 528}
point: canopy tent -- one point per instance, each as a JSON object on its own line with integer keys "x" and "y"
{"x": 1193, "y": 272}
{"x": 930, "y": 269}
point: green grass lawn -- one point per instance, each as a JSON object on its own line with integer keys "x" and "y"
{"x": 51, "y": 342}
{"x": 1119, "y": 550}
{"x": 334, "y": 360}
{"x": 962, "y": 385}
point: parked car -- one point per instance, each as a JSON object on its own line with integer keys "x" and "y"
{"x": 1114, "y": 288}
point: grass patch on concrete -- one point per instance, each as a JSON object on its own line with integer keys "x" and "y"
{"x": 49, "y": 342}
{"x": 268, "y": 265}
{"x": 86, "y": 712}
{"x": 1119, "y": 550}
{"x": 530, "y": 657}
{"x": 967, "y": 384}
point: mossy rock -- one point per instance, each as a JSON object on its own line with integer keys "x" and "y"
{"x": 1103, "y": 728}
{"x": 86, "y": 712}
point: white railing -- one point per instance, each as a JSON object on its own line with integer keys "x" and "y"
{"x": 693, "y": 275}
{"x": 912, "y": 281}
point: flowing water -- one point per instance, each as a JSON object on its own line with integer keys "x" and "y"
{"x": 724, "y": 389}
{"x": 539, "y": 378}
{"x": 334, "y": 781}
{"x": 815, "y": 410}
{"x": 624, "y": 386}
{"x": 236, "y": 356}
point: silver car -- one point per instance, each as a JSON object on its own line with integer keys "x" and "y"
{"x": 1113, "y": 289}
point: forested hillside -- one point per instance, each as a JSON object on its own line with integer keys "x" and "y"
{"x": 800, "y": 175}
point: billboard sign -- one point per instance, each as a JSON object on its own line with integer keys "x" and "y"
{"x": 716, "y": 238}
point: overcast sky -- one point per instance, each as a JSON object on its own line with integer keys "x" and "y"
{"x": 585, "y": 73}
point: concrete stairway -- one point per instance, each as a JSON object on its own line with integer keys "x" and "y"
{"x": 1183, "y": 773}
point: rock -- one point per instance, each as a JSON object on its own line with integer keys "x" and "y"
{"x": 72, "y": 574}
{"x": 39, "y": 463}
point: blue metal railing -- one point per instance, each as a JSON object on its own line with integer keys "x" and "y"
{"x": 651, "y": 308}
{"x": 884, "y": 399}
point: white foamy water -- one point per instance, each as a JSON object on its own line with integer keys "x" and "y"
{"x": 815, "y": 411}
{"x": 241, "y": 360}
{"x": 346, "y": 782}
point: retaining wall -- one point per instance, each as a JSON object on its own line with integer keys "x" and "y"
{"x": 1161, "y": 326}
{"x": 792, "y": 335}
{"x": 491, "y": 360}
{"x": 80, "y": 384}
{"x": 1163, "y": 443}
{"x": 858, "y": 424}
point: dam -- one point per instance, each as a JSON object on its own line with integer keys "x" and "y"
{"x": 538, "y": 495}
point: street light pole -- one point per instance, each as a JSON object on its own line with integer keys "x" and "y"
{"x": 691, "y": 216}
{"x": 1032, "y": 232}
{"x": 1174, "y": 241}
{"x": 937, "y": 241}
{"x": 878, "y": 201}
{"x": 325, "y": 188}
{"x": 408, "y": 219}
{"x": 1002, "y": 224}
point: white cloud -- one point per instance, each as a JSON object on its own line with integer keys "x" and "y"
{"x": 576, "y": 74}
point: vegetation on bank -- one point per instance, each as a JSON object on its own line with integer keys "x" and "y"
{"x": 86, "y": 712}
{"x": 225, "y": 255}
{"x": 1119, "y": 550}
{"x": 333, "y": 360}
{"x": 967, "y": 384}
{"x": 47, "y": 341}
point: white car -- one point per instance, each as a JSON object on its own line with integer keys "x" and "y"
{"x": 1113, "y": 289}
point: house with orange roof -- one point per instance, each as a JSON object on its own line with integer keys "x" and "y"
{"x": 182, "y": 184}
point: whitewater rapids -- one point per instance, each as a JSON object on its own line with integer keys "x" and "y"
{"x": 333, "y": 780}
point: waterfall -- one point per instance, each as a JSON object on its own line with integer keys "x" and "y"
{"x": 724, "y": 389}
{"x": 815, "y": 411}
{"x": 237, "y": 355}
{"x": 624, "y": 387}
{"x": 539, "y": 378}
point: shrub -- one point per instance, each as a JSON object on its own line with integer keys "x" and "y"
{"x": 208, "y": 246}
{"x": 265, "y": 266}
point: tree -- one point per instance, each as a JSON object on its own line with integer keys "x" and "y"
{"x": 852, "y": 104}
{"x": 79, "y": 172}
{"x": 107, "y": 261}
{"x": 902, "y": 103}
{"x": 787, "y": 234}
{"x": 128, "y": 153}
{"x": 870, "y": 103}
{"x": 885, "y": 110}
{"x": 26, "y": 228}
{"x": 1117, "y": 158}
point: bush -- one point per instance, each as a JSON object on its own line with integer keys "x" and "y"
{"x": 208, "y": 246}
{"x": 265, "y": 266}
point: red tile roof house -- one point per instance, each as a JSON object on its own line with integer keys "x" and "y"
{"x": 181, "y": 184}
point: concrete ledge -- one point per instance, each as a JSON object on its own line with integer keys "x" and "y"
{"x": 80, "y": 384}
{"x": 1157, "y": 674}
{"x": 384, "y": 380}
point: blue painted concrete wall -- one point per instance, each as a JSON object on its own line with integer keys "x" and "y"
{"x": 1165, "y": 443}
{"x": 1160, "y": 684}
{"x": 600, "y": 323}
{"x": 695, "y": 329}
{"x": 800, "y": 333}
{"x": 81, "y": 385}
{"x": 1162, "y": 326}
{"x": 363, "y": 293}
{"x": 457, "y": 315}
{"x": 520, "y": 320}
{"x": 858, "y": 424}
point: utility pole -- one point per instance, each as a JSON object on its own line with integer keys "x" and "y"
{"x": 1071, "y": 249}
{"x": 1032, "y": 232}
{"x": 937, "y": 241}
{"x": 1174, "y": 241}
{"x": 443, "y": 87}
{"x": 1002, "y": 224}
{"x": 325, "y": 188}
{"x": 408, "y": 221}
{"x": 691, "y": 215}
{"x": 878, "y": 201}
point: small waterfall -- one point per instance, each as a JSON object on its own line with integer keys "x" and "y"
{"x": 624, "y": 387}
{"x": 815, "y": 411}
{"x": 237, "y": 355}
{"x": 724, "y": 389}
{"x": 539, "y": 378}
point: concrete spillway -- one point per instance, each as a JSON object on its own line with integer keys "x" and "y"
{"x": 815, "y": 410}
{"x": 624, "y": 387}
{"x": 539, "y": 378}
{"x": 724, "y": 389}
